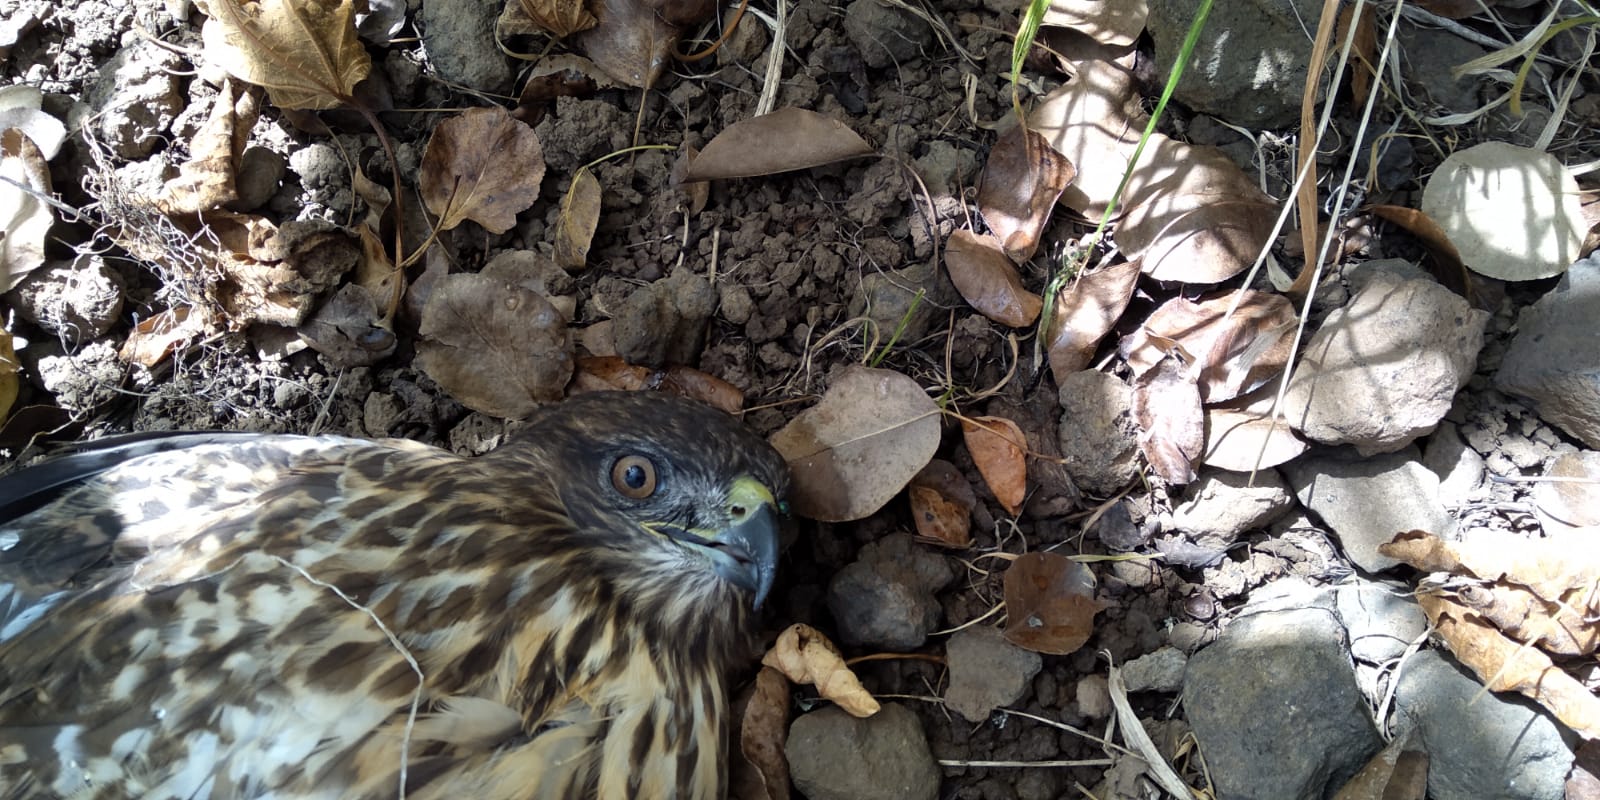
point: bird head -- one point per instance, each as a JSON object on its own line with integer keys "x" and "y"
{"x": 679, "y": 492}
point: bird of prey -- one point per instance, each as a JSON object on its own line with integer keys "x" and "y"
{"x": 324, "y": 617}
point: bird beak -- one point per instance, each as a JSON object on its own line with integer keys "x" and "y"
{"x": 747, "y": 549}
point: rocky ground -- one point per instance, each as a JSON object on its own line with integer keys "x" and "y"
{"x": 1252, "y": 626}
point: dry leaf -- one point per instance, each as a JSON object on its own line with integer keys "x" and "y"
{"x": 1166, "y": 406}
{"x": 1085, "y": 312}
{"x": 207, "y": 180}
{"x": 853, "y": 452}
{"x": 1111, "y": 22}
{"x": 494, "y": 346}
{"x": 481, "y": 165}
{"x": 348, "y": 330}
{"x": 1433, "y": 237}
{"x": 1234, "y": 355}
{"x": 559, "y": 18}
{"x": 998, "y": 447}
{"x": 1244, "y": 439}
{"x": 9, "y": 367}
{"x": 939, "y": 519}
{"x": 612, "y": 374}
{"x": 988, "y": 281}
{"x": 1021, "y": 182}
{"x": 1050, "y": 603}
{"x": 631, "y": 43}
{"x": 21, "y": 108}
{"x": 305, "y": 53}
{"x": 806, "y": 656}
{"x": 695, "y": 193}
{"x": 155, "y": 337}
{"x": 1506, "y": 666}
{"x": 1512, "y": 212}
{"x": 1395, "y": 773}
{"x": 580, "y": 214}
{"x": 787, "y": 139}
{"x": 24, "y": 219}
{"x": 763, "y": 770}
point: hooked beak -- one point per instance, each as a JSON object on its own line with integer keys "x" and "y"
{"x": 745, "y": 552}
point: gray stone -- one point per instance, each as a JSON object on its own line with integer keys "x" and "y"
{"x": 1161, "y": 671}
{"x": 986, "y": 672}
{"x": 1380, "y": 620}
{"x": 1384, "y": 369}
{"x": 834, "y": 756}
{"x": 1220, "y": 505}
{"x": 136, "y": 98}
{"x": 1460, "y": 468}
{"x": 1366, "y": 501}
{"x": 1480, "y": 745}
{"x": 1097, "y": 433}
{"x": 886, "y": 597}
{"x": 1275, "y": 707}
{"x": 1428, "y": 61}
{"x": 885, "y": 35}
{"x": 1554, "y": 360}
{"x": 665, "y": 322}
{"x": 454, "y": 33}
{"x": 1250, "y": 65}
{"x": 74, "y": 301}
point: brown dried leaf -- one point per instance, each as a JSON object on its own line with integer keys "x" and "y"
{"x": 9, "y": 367}
{"x": 986, "y": 278}
{"x": 1111, "y": 22}
{"x": 24, "y": 219}
{"x": 1020, "y": 184}
{"x": 939, "y": 519}
{"x": 1235, "y": 355}
{"x": 1166, "y": 406}
{"x": 1506, "y": 666}
{"x": 305, "y": 53}
{"x": 853, "y": 452}
{"x": 580, "y": 214}
{"x": 207, "y": 180}
{"x": 481, "y": 165}
{"x": 1244, "y": 439}
{"x": 611, "y": 373}
{"x": 631, "y": 43}
{"x": 999, "y": 448}
{"x": 559, "y": 18}
{"x": 494, "y": 346}
{"x": 156, "y": 336}
{"x": 695, "y": 193}
{"x": 804, "y": 655}
{"x": 1446, "y": 259}
{"x": 1050, "y": 603}
{"x": 784, "y": 140}
{"x": 1085, "y": 312}
{"x": 763, "y": 770}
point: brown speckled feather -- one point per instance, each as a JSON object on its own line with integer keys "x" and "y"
{"x": 327, "y": 617}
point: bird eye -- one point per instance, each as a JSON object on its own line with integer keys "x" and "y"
{"x": 634, "y": 477}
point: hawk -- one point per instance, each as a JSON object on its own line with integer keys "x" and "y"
{"x": 238, "y": 616}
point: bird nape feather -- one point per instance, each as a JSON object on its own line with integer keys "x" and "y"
{"x": 325, "y": 617}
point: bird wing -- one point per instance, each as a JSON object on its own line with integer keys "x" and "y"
{"x": 191, "y": 622}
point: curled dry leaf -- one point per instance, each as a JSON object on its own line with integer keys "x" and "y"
{"x": 787, "y": 139}
{"x": 1111, "y": 22}
{"x": 156, "y": 336}
{"x": 941, "y": 505}
{"x": 559, "y": 18}
{"x": 763, "y": 772}
{"x": 207, "y": 180}
{"x": 494, "y": 346}
{"x": 481, "y": 165}
{"x": 853, "y": 452}
{"x": 1507, "y": 666}
{"x": 1513, "y": 213}
{"x": 1085, "y": 312}
{"x": 21, "y": 108}
{"x": 999, "y": 448}
{"x": 988, "y": 281}
{"x": 1050, "y": 603}
{"x": 24, "y": 219}
{"x": 1166, "y": 406}
{"x": 1244, "y": 439}
{"x": 580, "y": 214}
{"x": 632, "y": 43}
{"x": 305, "y": 53}
{"x": 1234, "y": 354}
{"x": 611, "y": 373}
{"x": 1020, "y": 184}
{"x": 804, "y": 655}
